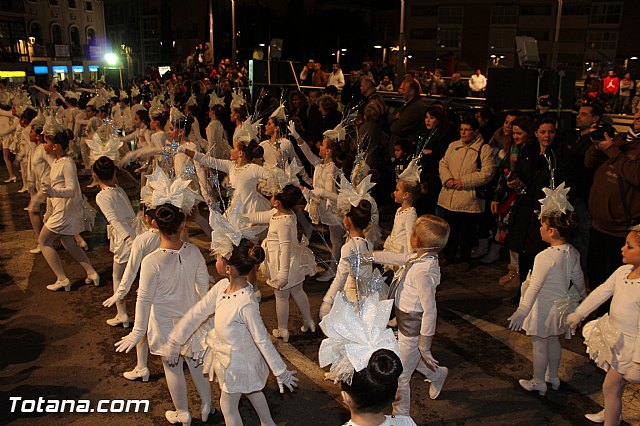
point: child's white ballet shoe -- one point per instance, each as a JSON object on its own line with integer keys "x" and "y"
{"x": 22, "y": 190}
{"x": 35, "y": 250}
{"x": 117, "y": 320}
{"x": 532, "y": 385}
{"x": 553, "y": 381}
{"x": 598, "y": 417}
{"x": 60, "y": 284}
{"x": 94, "y": 278}
{"x": 436, "y": 385}
{"x": 11, "y": 179}
{"x": 206, "y": 410}
{"x": 175, "y": 417}
{"x": 93, "y": 184}
{"x": 280, "y": 333}
{"x": 308, "y": 327}
{"x": 137, "y": 373}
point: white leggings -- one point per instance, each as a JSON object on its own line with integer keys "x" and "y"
{"x": 335, "y": 237}
{"x": 118, "y": 272}
{"x": 546, "y": 357}
{"x": 282, "y": 305}
{"x": 46, "y": 239}
{"x": 229, "y": 406}
{"x": 178, "y": 385}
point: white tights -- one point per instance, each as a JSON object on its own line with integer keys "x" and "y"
{"x": 513, "y": 258}
{"x": 546, "y": 357}
{"x": 118, "y": 272}
{"x": 282, "y": 305}
{"x": 46, "y": 239}
{"x": 229, "y": 406}
{"x": 335, "y": 236}
{"x": 178, "y": 385}
{"x": 142, "y": 353}
{"x": 612, "y": 389}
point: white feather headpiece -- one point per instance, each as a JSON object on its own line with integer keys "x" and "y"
{"x": 72, "y": 95}
{"x": 176, "y": 116}
{"x": 338, "y": 133}
{"x": 279, "y": 113}
{"x": 411, "y": 174}
{"x": 228, "y": 231}
{"x": 237, "y": 99}
{"x": 350, "y": 195}
{"x": 98, "y": 101}
{"x": 248, "y": 131}
{"x": 104, "y": 143}
{"x": 52, "y": 126}
{"x": 281, "y": 177}
{"x": 555, "y": 202}
{"x": 354, "y": 335}
{"x": 38, "y": 122}
{"x": 135, "y": 91}
{"x": 192, "y": 100}
{"x": 215, "y": 100}
{"x": 156, "y": 108}
{"x": 110, "y": 94}
{"x": 160, "y": 189}
{"x": 123, "y": 95}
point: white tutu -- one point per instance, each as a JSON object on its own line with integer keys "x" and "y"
{"x": 606, "y": 345}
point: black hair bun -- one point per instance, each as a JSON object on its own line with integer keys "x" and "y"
{"x": 256, "y": 255}
{"x": 384, "y": 367}
{"x": 365, "y": 205}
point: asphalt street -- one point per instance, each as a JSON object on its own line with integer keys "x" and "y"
{"x": 57, "y": 346}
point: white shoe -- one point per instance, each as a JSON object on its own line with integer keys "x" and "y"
{"x": 137, "y": 373}
{"x": 492, "y": 255}
{"x": 308, "y": 327}
{"x": 599, "y": 417}
{"x": 93, "y": 184}
{"x": 22, "y": 190}
{"x": 280, "y": 333}
{"x": 35, "y": 250}
{"x": 95, "y": 279}
{"x": 206, "y": 410}
{"x": 436, "y": 385}
{"x": 60, "y": 284}
{"x": 481, "y": 249}
{"x": 115, "y": 321}
{"x": 553, "y": 381}
{"x": 532, "y": 385}
{"x": 175, "y": 417}
{"x": 327, "y": 275}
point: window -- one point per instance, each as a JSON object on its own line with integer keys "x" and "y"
{"x": 504, "y": 15}
{"x": 88, "y": 6}
{"x": 575, "y": 10}
{"x": 72, "y": 4}
{"x": 56, "y": 34}
{"x": 602, "y": 40}
{"x": 449, "y": 38}
{"x": 74, "y": 36}
{"x": 450, "y": 15}
{"x": 152, "y": 51}
{"x": 13, "y": 41}
{"x": 54, "y": 3}
{"x": 422, "y": 10}
{"x": 423, "y": 33}
{"x": 605, "y": 13}
{"x": 91, "y": 37}
{"x": 35, "y": 32}
{"x": 150, "y": 28}
{"x": 502, "y": 38}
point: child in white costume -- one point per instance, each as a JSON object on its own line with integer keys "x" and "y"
{"x": 239, "y": 343}
{"x": 287, "y": 261}
{"x": 406, "y": 192}
{"x": 65, "y": 217}
{"x": 172, "y": 280}
{"x": 40, "y": 170}
{"x": 554, "y": 269}
{"x": 414, "y": 291}
{"x": 612, "y": 340}
{"x": 116, "y": 207}
{"x": 322, "y": 200}
{"x": 355, "y": 221}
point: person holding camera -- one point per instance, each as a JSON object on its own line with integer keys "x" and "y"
{"x": 614, "y": 200}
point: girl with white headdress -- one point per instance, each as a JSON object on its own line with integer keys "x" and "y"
{"x": 40, "y": 169}
{"x": 91, "y": 123}
{"x": 287, "y": 261}
{"x": 65, "y": 217}
{"x": 546, "y": 294}
{"x": 241, "y": 353}
{"x": 23, "y": 145}
{"x": 322, "y": 199}
{"x": 217, "y": 145}
{"x": 8, "y": 126}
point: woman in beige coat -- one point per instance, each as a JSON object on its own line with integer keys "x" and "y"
{"x": 467, "y": 165}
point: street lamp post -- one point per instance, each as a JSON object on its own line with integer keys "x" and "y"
{"x": 233, "y": 33}
{"x": 556, "y": 39}
{"x": 400, "y": 63}
{"x": 112, "y": 60}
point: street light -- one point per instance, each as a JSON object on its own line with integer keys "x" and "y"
{"x": 112, "y": 61}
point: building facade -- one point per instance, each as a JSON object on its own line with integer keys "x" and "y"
{"x": 461, "y": 35}
{"x": 52, "y": 39}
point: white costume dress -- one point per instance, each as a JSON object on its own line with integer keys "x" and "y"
{"x": 67, "y": 212}
{"x": 552, "y": 270}
{"x": 171, "y": 282}
{"x": 399, "y": 239}
{"x": 612, "y": 340}
{"x": 278, "y": 155}
{"x": 143, "y": 245}
{"x": 345, "y": 279}
{"x": 116, "y": 207}
{"x": 287, "y": 261}
{"x": 217, "y": 145}
{"x": 244, "y": 181}
{"x": 390, "y": 420}
{"x": 323, "y": 199}
{"x": 239, "y": 341}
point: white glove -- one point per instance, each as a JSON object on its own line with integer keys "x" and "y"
{"x": 198, "y": 357}
{"x": 170, "y": 353}
{"x": 288, "y": 379}
{"x": 292, "y": 130}
{"x": 573, "y": 320}
{"x": 633, "y": 373}
{"x": 517, "y": 319}
{"x": 111, "y": 301}
{"x": 325, "y": 308}
{"x": 127, "y": 343}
